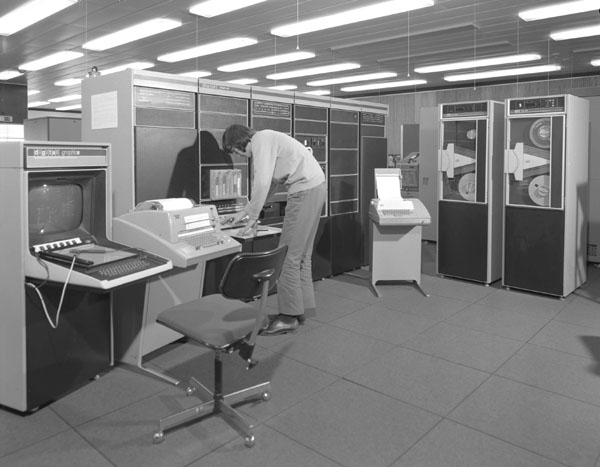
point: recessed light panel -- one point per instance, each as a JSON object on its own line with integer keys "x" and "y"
{"x": 207, "y": 49}
{"x": 376, "y": 10}
{"x": 211, "y": 8}
{"x": 132, "y": 33}
{"x": 266, "y": 61}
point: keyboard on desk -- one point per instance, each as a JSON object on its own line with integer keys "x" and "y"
{"x": 124, "y": 268}
{"x": 204, "y": 241}
{"x": 395, "y": 212}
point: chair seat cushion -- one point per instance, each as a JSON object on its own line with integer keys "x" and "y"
{"x": 212, "y": 320}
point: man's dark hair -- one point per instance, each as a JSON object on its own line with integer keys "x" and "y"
{"x": 237, "y": 136}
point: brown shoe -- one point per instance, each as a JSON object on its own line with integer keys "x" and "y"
{"x": 278, "y": 326}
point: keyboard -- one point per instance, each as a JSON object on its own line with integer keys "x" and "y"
{"x": 395, "y": 212}
{"x": 203, "y": 241}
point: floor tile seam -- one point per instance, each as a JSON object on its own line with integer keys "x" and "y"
{"x": 397, "y": 399}
{"x": 487, "y": 377}
{"x": 283, "y": 352}
{"x": 501, "y": 308}
{"x": 37, "y": 441}
{"x": 462, "y": 326}
{"x": 333, "y": 293}
{"x": 495, "y": 334}
{"x": 89, "y": 442}
{"x": 299, "y": 401}
{"x": 55, "y": 435}
{"x": 303, "y": 445}
{"x": 505, "y": 441}
{"x": 424, "y": 435}
{"x": 114, "y": 410}
{"x": 368, "y": 336}
{"x": 416, "y": 313}
{"x": 592, "y": 359}
{"x": 404, "y": 346}
{"x": 444, "y": 294}
{"x": 336, "y": 375}
{"x": 597, "y": 461}
{"x": 546, "y": 390}
{"x": 558, "y": 319}
{"x": 451, "y": 297}
{"x": 544, "y": 327}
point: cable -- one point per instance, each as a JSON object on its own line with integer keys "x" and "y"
{"x": 62, "y": 295}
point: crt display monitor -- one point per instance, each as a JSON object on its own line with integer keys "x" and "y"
{"x": 66, "y": 205}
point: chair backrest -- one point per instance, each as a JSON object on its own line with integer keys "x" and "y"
{"x": 241, "y": 278}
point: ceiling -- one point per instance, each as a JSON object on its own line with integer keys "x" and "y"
{"x": 451, "y": 30}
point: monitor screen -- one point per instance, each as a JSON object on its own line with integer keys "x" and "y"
{"x": 66, "y": 205}
{"x": 410, "y": 176}
{"x": 55, "y": 207}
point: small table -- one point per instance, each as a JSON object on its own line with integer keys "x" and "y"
{"x": 396, "y": 246}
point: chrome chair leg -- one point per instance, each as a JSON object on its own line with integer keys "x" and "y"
{"x": 238, "y": 422}
{"x": 262, "y": 391}
{"x": 182, "y": 417}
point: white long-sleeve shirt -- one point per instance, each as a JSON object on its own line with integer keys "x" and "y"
{"x": 279, "y": 158}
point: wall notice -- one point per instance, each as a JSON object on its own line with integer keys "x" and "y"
{"x": 104, "y": 111}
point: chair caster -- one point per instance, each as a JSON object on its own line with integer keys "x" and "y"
{"x": 265, "y": 396}
{"x": 249, "y": 441}
{"x": 158, "y": 437}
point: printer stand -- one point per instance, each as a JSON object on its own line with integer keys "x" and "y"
{"x": 395, "y": 254}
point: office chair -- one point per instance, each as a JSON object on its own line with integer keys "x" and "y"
{"x": 227, "y": 322}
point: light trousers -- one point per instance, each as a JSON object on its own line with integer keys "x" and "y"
{"x": 295, "y": 292}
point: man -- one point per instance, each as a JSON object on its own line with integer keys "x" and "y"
{"x": 279, "y": 158}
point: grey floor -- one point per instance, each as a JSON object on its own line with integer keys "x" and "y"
{"x": 471, "y": 376}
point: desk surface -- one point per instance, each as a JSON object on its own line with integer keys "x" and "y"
{"x": 262, "y": 231}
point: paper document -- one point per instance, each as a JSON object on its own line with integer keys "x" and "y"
{"x": 388, "y": 187}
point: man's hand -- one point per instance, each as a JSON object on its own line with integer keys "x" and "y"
{"x": 249, "y": 230}
{"x": 235, "y": 218}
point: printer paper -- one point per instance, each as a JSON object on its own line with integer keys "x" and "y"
{"x": 388, "y": 187}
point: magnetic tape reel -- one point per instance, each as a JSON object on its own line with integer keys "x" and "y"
{"x": 467, "y": 186}
{"x": 540, "y": 133}
{"x": 539, "y": 190}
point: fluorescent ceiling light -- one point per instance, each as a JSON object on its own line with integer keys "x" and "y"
{"x": 595, "y": 62}
{"x": 30, "y": 13}
{"x": 318, "y": 92}
{"x": 353, "y": 79}
{"x": 50, "y": 60}
{"x": 318, "y": 70}
{"x": 575, "y": 33}
{"x": 128, "y": 66}
{"x": 207, "y": 49}
{"x": 390, "y": 84}
{"x": 32, "y": 92}
{"x": 196, "y": 74}
{"x": 243, "y": 81}
{"x": 68, "y": 82}
{"x": 355, "y": 15}
{"x": 212, "y": 8}
{"x": 502, "y": 73}
{"x": 559, "y": 9}
{"x": 71, "y": 97}
{"x": 284, "y": 87}
{"x": 9, "y": 74}
{"x": 37, "y": 103}
{"x": 478, "y": 63}
{"x": 266, "y": 61}
{"x": 69, "y": 107}
{"x": 132, "y": 33}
